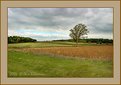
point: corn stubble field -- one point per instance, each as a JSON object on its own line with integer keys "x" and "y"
{"x": 60, "y": 59}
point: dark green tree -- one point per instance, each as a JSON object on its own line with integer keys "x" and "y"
{"x": 18, "y": 39}
{"x": 78, "y": 31}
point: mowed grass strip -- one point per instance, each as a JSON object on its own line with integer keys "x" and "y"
{"x": 38, "y": 44}
{"x": 49, "y": 44}
{"x": 27, "y": 64}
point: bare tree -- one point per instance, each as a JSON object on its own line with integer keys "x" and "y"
{"x": 78, "y": 31}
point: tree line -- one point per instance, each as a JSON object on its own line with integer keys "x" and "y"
{"x": 98, "y": 41}
{"x": 18, "y": 39}
{"x": 90, "y": 40}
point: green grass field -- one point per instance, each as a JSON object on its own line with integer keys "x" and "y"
{"x": 48, "y": 44}
{"x": 27, "y": 64}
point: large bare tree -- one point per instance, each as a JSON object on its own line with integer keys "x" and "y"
{"x": 78, "y": 31}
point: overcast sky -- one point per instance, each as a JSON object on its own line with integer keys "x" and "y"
{"x": 55, "y": 23}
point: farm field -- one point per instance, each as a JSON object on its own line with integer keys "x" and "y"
{"x": 50, "y": 44}
{"x": 60, "y": 43}
{"x": 60, "y": 59}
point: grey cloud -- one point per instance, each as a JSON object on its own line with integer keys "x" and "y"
{"x": 103, "y": 28}
{"x": 99, "y": 20}
{"x": 45, "y": 16}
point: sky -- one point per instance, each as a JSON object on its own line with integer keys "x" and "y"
{"x": 54, "y": 23}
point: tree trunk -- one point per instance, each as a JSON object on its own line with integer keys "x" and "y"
{"x": 77, "y": 43}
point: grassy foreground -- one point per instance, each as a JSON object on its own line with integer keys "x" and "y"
{"x": 27, "y": 64}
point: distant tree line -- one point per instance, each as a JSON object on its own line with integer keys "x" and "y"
{"x": 91, "y": 40}
{"x": 18, "y": 39}
{"x": 98, "y": 41}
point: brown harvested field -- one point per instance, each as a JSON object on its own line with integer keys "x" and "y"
{"x": 95, "y": 52}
